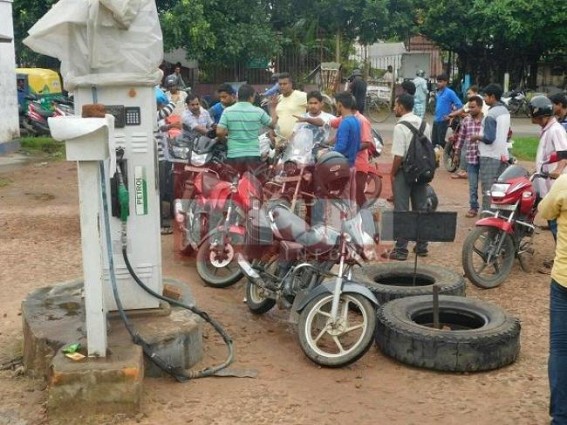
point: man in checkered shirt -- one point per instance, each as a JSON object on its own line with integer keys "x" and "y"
{"x": 469, "y": 127}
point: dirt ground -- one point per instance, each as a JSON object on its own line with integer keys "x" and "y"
{"x": 39, "y": 246}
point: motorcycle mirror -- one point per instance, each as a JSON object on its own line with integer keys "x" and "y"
{"x": 557, "y": 156}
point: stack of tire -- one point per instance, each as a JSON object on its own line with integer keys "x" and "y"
{"x": 474, "y": 335}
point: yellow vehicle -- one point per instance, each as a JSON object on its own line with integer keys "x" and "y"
{"x": 41, "y": 82}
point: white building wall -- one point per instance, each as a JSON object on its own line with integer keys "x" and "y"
{"x": 9, "y": 125}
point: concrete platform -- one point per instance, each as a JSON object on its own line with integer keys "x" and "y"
{"x": 54, "y": 317}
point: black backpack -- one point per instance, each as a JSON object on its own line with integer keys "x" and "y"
{"x": 419, "y": 164}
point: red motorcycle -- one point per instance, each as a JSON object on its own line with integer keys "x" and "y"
{"x": 489, "y": 249}
{"x": 231, "y": 201}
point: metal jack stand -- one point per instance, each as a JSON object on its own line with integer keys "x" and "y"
{"x": 417, "y": 227}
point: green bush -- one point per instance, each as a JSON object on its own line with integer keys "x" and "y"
{"x": 47, "y": 145}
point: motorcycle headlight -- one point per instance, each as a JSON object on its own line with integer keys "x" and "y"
{"x": 179, "y": 152}
{"x": 498, "y": 190}
{"x": 199, "y": 159}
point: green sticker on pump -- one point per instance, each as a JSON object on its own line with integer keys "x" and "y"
{"x": 141, "y": 190}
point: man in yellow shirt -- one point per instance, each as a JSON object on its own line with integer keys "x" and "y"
{"x": 289, "y": 104}
{"x": 554, "y": 207}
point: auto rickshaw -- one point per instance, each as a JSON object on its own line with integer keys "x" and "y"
{"x": 43, "y": 84}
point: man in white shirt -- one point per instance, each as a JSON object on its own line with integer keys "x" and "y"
{"x": 493, "y": 141}
{"x": 403, "y": 191}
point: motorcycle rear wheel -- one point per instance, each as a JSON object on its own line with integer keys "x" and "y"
{"x": 342, "y": 343}
{"x": 481, "y": 242}
{"x": 219, "y": 272}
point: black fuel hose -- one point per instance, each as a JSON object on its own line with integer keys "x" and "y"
{"x": 178, "y": 373}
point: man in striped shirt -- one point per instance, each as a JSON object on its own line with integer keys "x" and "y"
{"x": 242, "y": 123}
{"x": 469, "y": 127}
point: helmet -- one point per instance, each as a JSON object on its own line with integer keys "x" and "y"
{"x": 356, "y": 73}
{"x": 333, "y": 173}
{"x": 161, "y": 98}
{"x": 540, "y": 106}
{"x": 170, "y": 81}
{"x": 420, "y": 73}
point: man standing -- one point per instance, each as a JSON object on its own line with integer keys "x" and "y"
{"x": 554, "y": 207}
{"x": 403, "y": 191}
{"x": 315, "y": 119}
{"x": 493, "y": 138}
{"x": 227, "y": 97}
{"x": 445, "y": 101}
{"x": 559, "y": 101}
{"x": 420, "y": 96}
{"x": 242, "y": 123}
{"x": 357, "y": 87}
{"x": 177, "y": 75}
{"x": 196, "y": 120}
{"x": 288, "y": 105}
{"x": 362, "y": 163}
{"x": 553, "y": 138}
{"x": 470, "y": 126}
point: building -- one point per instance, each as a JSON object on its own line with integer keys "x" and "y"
{"x": 9, "y": 124}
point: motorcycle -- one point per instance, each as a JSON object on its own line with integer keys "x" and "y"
{"x": 489, "y": 250}
{"x": 516, "y": 102}
{"x": 198, "y": 168}
{"x": 289, "y": 263}
{"x": 216, "y": 255}
{"x": 33, "y": 120}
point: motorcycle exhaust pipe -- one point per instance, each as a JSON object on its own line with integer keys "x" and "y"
{"x": 250, "y": 273}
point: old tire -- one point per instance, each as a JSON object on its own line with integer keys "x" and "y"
{"x": 482, "y": 336}
{"x": 389, "y": 281}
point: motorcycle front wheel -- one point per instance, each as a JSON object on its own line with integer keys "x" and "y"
{"x": 484, "y": 263}
{"x": 339, "y": 343}
{"x": 219, "y": 268}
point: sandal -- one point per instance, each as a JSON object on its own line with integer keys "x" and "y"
{"x": 471, "y": 213}
{"x": 458, "y": 175}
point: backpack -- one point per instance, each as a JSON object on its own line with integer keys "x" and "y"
{"x": 419, "y": 164}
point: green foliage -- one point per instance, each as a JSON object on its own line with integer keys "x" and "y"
{"x": 525, "y": 148}
{"x": 42, "y": 145}
{"x": 26, "y": 14}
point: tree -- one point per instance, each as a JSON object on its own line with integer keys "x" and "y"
{"x": 26, "y": 14}
{"x": 492, "y": 37}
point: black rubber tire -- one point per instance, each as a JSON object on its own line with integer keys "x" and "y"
{"x": 257, "y": 304}
{"x": 204, "y": 266}
{"x": 353, "y": 353}
{"x": 389, "y": 281}
{"x": 468, "y": 252}
{"x": 492, "y": 339}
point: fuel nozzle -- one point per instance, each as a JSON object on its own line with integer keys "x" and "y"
{"x": 123, "y": 195}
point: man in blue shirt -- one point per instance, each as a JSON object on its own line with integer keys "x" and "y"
{"x": 348, "y": 134}
{"x": 445, "y": 101}
{"x": 227, "y": 97}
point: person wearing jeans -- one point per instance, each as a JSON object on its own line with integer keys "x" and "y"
{"x": 554, "y": 207}
{"x": 464, "y": 145}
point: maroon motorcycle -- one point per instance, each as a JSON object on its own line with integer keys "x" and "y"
{"x": 490, "y": 248}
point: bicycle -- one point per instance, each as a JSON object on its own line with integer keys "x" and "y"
{"x": 378, "y": 109}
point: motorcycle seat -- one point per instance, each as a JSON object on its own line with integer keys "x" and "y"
{"x": 292, "y": 228}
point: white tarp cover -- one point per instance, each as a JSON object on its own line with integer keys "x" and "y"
{"x": 101, "y": 42}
